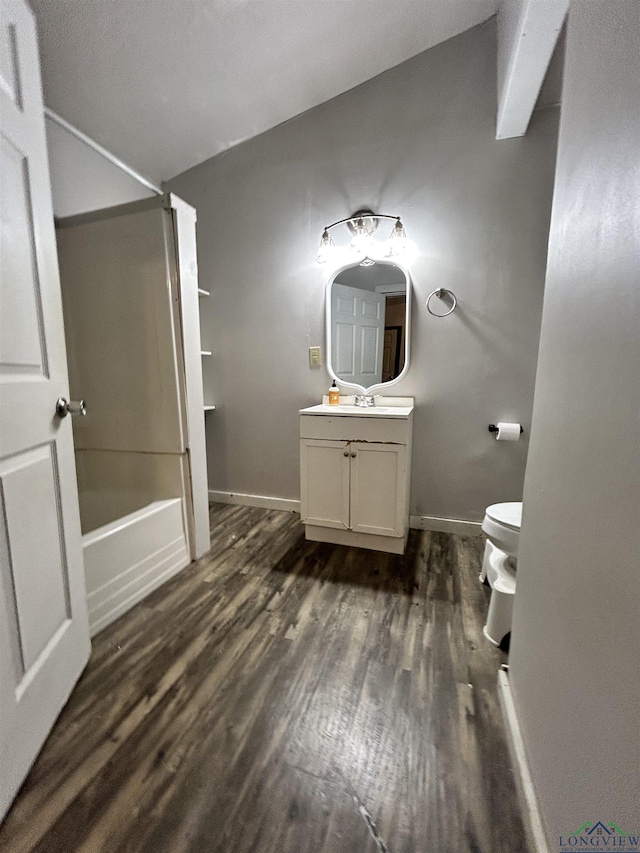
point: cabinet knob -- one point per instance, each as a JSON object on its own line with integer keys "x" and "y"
{"x": 346, "y": 453}
{"x": 353, "y": 455}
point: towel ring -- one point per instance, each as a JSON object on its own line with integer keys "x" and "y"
{"x": 440, "y": 293}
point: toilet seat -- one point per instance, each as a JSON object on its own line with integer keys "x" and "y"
{"x": 502, "y": 525}
{"x": 508, "y": 514}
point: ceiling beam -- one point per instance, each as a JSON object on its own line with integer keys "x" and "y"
{"x": 527, "y": 34}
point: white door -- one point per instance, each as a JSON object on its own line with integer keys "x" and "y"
{"x": 373, "y": 509}
{"x": 44, "y": 631}
{"x": 324, "y": 482}
{"x": 357, "y": 334}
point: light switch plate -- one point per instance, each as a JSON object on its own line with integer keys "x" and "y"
{"x": 315, "y": 359}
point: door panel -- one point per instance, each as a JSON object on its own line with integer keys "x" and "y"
{"x": 357, "y": 334}
{"x": 344, "y": 362}
{"x": 44, "y": 630}
{"x": 28, "y": 489}
{"x": 20, "y": 321}
{"x": 378, "y": 488}
{"x": 324, "y": 470}
{"x": 9, "y": 77}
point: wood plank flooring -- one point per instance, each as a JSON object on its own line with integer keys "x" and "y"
{"x": 284, "y": 696}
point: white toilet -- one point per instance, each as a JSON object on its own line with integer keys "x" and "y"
{"x": 502, "y": 526}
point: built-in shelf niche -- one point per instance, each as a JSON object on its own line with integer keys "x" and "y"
{"x": 208, "y": 407}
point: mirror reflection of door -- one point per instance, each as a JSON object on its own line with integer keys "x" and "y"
{"x": 368, "y": 324}
{"x": 358, "y": 332}
{"x": 394, "y": 331}
{"x": 391, "y": 352}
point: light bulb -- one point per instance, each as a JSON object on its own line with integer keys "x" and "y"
{"x": 361, "y": 242}
{"x": 325, "y": 247}
{"x": 397, "y": 240}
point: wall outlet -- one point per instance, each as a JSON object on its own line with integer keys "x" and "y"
{"x": 315, "y": 359}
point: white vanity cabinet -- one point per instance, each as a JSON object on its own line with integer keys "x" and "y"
{"x": 355, "y": 468}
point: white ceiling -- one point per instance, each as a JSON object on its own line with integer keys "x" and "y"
{"x": 166, "y": 84}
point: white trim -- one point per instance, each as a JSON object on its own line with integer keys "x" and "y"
{"x": 184, "y": 283}
{"x": 529, "y": 805}
{"x": 254, "y": 500}
{"x": 360, "y": 389}
{"x": 392, "y": 289}
{"x": 116, "y": 161}
{"x": 445, "y": 525}
{"x": 528, "y": 49}
{"x": 416, "y": 522}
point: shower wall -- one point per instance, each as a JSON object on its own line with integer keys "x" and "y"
{"x": 122, "y": 330}
{"x": 112, "y": 484}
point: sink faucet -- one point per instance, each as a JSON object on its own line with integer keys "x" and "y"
{"x": 364, "y": 400}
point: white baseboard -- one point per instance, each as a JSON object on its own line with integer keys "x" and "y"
{"x": 445, "y": 525}
{"x": 416, "y": 522}
{"x": 529, "y": 806}
{"x": 254, "y": 500}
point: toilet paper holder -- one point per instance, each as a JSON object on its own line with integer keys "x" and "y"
{"x": 494, "y": 428}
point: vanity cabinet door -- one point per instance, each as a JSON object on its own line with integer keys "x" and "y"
{"x": 324, "y": 482}
{"x": 378, "y": 488}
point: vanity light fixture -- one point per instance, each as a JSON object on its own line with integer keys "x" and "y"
{"x": 325, "y": 248}
{"x": 362, "y": 225}
{"x": 398, "y": 240}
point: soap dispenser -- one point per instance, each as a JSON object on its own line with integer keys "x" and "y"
{"x": 334, "y": 394}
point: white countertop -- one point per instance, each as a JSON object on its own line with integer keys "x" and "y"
{"x": 343, "y": 410}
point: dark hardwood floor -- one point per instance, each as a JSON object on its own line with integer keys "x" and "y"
{"x": 284, "y": 696}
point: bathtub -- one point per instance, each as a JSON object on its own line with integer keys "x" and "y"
{"x": 128, "y": 558}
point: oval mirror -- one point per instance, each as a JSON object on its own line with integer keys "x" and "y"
{"x": 368, "y": 329}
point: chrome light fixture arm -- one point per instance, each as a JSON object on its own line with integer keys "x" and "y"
{"x": 361, "y": 214}
{"x": 362, "y": 224}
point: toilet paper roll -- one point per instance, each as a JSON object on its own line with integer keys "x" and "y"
{"x": 507, "y": 432}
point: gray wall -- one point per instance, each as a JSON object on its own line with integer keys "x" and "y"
{"x": 417, "y": 141}
{"x": 82, "y": 179}
{"x": 575, "y": 650}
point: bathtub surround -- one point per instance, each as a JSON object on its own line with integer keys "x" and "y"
{"x": 130, "y": 295}
{"x": 148, "y": 546}
{"x": 575, "y": 643}
{"x": 419, "y": 140}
